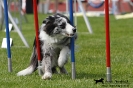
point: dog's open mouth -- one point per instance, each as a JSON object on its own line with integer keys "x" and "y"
{"x": 70, "y": 35}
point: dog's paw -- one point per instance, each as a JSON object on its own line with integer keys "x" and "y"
{"x": 47, "y": 75}
{"x": 63, "y": 70}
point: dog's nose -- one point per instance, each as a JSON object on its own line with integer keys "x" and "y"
{"x": 74, "y": 30}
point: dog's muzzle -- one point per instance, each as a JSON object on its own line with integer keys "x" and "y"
{"x": 73, "y": 33}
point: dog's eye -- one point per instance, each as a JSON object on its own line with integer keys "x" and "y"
{"x": 63, "y": 25}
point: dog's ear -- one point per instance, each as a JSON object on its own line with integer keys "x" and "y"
{"x": 45, "y": 21}
{"x": 58, "y": 15}
{"x": 49, "y": 19}
{"x": 49, "y": 24}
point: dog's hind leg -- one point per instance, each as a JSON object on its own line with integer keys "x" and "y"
{"x": 32, "y": 67}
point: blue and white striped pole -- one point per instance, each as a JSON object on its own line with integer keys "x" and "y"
{"x": 7, "y": 36}
{"x": 72, "y": 40}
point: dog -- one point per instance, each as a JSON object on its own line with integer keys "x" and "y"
{"x": 99, "y": 80}
{"x": 54, "y": 36}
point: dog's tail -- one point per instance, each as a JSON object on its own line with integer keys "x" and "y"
{"x": 33, "y": 59}
{"x": 33, "y": 63}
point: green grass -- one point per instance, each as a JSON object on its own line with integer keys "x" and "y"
{"x": 90, "y": 56}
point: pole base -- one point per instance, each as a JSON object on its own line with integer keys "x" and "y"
{"x": 9, "y": 65}
{"x": 73, "y": 71}
{"x": 108, "y": 74}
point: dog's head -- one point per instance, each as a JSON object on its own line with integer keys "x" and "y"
{"x": 58, "y": 24}
{"x": 101, "y": 79}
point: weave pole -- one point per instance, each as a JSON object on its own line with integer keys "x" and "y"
{"x": 7, "y": 36}
{"x": 37, "y": 33}
{"x": 108, "y": 62}
{"x": 72, "y": 40}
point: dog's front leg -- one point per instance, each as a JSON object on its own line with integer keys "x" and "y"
{"x": 46, "y": 66}
{"x": 63, "y": 57}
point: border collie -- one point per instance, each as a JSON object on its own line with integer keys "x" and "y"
{"x": 54, "y": 37}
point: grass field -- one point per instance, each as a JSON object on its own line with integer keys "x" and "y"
{"x": 90, "y": 57}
